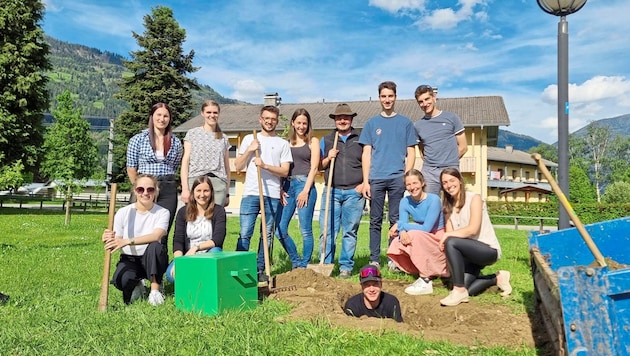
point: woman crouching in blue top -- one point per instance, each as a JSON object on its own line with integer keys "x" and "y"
{"x": 415, "y": 247}
{"x": 199, "y": 226}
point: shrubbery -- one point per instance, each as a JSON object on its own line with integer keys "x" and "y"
{"x": 587, "y": 212}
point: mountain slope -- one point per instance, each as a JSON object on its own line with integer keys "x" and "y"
{"x": 518, "y": 141}
{"x": 92, "y": 76}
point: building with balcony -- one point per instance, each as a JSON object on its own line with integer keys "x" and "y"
{"x": 481, "y": 117}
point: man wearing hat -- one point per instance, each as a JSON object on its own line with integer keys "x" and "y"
{"x": 346, "y": 200}
{"x": 373, "y": 302}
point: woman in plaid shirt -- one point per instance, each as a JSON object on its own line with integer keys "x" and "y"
{"x": 156, "y": 151}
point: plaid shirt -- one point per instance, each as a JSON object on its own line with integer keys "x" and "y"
{"x": 140, "y": 155}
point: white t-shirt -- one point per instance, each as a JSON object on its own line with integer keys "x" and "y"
{"x": 274, "y": 151}
{"x": 128, "y": 222}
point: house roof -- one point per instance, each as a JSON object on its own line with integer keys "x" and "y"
{"x": 511, "y": 155}
{"x": 527, "y": 188}
{"x": 480, "y": 111}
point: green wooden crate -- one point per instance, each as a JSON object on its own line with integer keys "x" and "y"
{"x": 210, "y": 283}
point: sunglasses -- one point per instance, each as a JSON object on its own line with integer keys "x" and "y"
{"x": 140, "y": 190}
{"x": 370, "y": 271}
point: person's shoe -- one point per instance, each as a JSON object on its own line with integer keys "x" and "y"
{"x": 263, "y": 280}
{"x": 345, "y": 274}
{"x": 156, "y": 297}
{"x": 420, "y": 287}
{"x": 393, "y": 267}
{"x": 138, "y": 291}
{"x": 455, "y": 298}
{"x": 375, "y": 264}
{"x": 3, "y": 298}
{"x": 504, "y": 285}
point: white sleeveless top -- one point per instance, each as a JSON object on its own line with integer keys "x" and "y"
{"x": 486, "y": 233}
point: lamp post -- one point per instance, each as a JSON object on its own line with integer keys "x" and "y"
{"x": 563, "y": 8}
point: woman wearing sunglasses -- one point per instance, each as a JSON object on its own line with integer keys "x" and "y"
{"x": 469, "y": 242}
{"x": 372, "y": 301}
{"x": 158, "y": 152}
{"x": 199, "y": 226}
{"x": 138, "y": 229}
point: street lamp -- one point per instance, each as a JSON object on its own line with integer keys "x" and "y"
{"x": 563, "y": 8}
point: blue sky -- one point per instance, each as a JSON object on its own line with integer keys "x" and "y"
{"x": 333, "y": 50}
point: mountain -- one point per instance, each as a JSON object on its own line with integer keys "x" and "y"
{"x": 619, "y": 125}
{"x": 518, "y": 141}
{"x": 92, "y": 75}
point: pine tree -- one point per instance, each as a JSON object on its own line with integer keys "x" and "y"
{"x": 159, "y": 74}
{"x": 23, "y": 95}
{"x": 70, "y": 151}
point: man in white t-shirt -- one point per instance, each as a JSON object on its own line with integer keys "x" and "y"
{"x": 274, "y": 162}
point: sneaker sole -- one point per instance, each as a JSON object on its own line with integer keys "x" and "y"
{"x": 418, "y": 293}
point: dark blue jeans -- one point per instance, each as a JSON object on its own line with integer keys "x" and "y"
{"x": 250, "y": 207}
{"x": 394, "y": 188}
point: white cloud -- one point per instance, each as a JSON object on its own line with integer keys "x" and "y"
{"x": 248, "y": 90}
{"x": 449, "y": 18}
{"x": 398, "y": 6}
{"x": 597, "y": 88}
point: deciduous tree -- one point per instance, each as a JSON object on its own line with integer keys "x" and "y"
{"x": 70, "y": 151}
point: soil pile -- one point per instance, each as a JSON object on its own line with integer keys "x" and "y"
{"x": 319, "y": 297}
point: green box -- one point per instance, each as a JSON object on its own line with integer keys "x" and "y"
{"x": 210, "y": 283}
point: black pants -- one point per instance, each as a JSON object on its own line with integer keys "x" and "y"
{"x": 466, "y": 258}
{"x": 168, "y": 200}
{"x": 131, "y": 269}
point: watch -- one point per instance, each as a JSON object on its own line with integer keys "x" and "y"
{"x": 132, "y": 241}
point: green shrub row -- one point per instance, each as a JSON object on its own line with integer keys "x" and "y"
{"x": 587, "y": 212}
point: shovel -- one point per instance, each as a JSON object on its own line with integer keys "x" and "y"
{"x": 321, "y": 268}
{"x": 572, "y": 215}
{"x": 263, "y": 224}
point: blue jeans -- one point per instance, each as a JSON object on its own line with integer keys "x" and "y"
{"x": 250, "y": 207}
{"x": 345, "y": 212}
{"x": 293, "y": 187}
{"x": 395, "y": 188}
{"x": 172, "y": 264}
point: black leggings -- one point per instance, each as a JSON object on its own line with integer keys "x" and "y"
{"x": 131, "y": 269}
{"x": 466, "y": 258}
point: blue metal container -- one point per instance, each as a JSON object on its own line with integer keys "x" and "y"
{"x": 586, "y": 307}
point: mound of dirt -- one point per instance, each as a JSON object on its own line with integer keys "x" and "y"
{"x": 319, "y": 297}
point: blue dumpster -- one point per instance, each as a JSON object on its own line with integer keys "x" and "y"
{"x": 585, "y": 307}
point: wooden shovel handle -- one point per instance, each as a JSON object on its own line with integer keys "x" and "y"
{"x": 102, "y": 302}
{"x": 263, "y": 222}
{"x": 330, "y": 177}
{"x": 572, "y": 215}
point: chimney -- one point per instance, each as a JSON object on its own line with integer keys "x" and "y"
{"x": 272, "y": 99}
{"x": 509, "y": 148}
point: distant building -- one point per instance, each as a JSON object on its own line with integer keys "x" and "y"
{"x": 482, "y": 116}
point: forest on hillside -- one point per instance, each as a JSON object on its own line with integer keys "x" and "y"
{"x": 92, "y": 77}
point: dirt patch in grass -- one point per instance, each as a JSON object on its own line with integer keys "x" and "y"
{"x": 317, "y": 297}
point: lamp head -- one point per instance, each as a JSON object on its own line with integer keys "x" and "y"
{"x": 561, "y": 7}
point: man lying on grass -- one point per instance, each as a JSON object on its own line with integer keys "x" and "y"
{"x": 373, "y": 302}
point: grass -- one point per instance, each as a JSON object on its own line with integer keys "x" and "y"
{"x": 53, "y": 272}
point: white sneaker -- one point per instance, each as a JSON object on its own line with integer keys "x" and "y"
{"x": 420, "y": 287}
{"x": 156, "y": 298}
{"x": 138, "y": 291}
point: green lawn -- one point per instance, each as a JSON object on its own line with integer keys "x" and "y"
{"x": 53, "y": 272}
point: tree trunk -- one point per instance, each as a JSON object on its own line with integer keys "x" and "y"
{"x": 68, "y": 205}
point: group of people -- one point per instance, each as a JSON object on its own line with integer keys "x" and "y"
{"x": 371, "y": 164}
